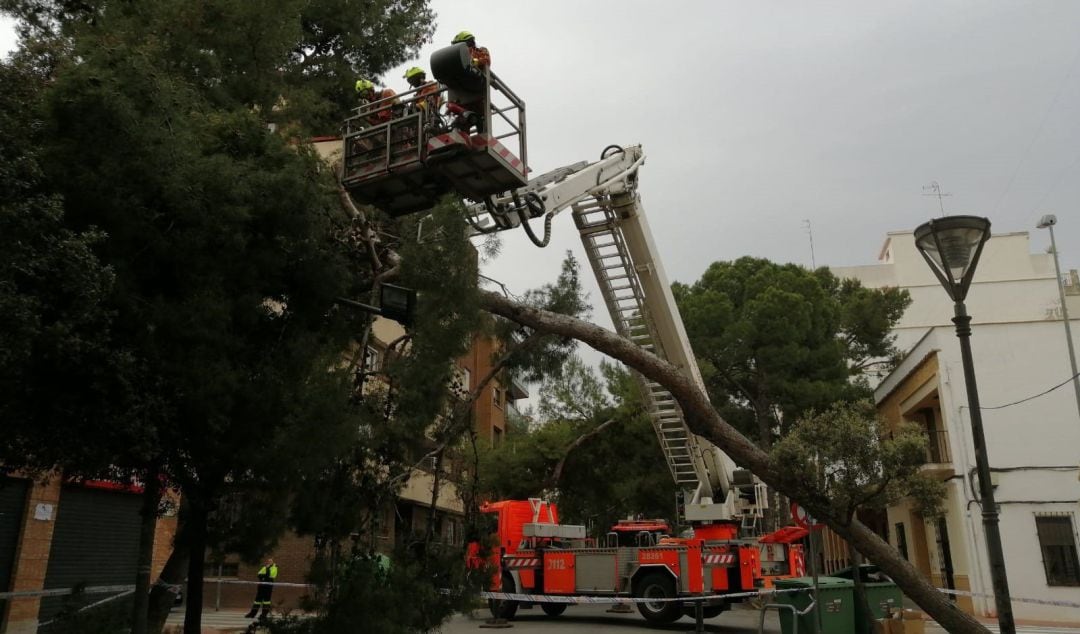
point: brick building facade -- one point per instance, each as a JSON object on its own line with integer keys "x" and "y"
{"x": 53, "y": 523}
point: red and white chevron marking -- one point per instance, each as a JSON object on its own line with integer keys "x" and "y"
{"x": 500, "y": 149}
{"x": 719, "y": 559}
{"x": 522, "y": 562}
{"x": 446, "y": 140}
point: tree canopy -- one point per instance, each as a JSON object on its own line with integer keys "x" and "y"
{"x": 777, "y": 340}
{"x": 593, "y": 451}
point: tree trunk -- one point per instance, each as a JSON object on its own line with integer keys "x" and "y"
{"x": 174, "y": 572}
{"x": 860, "y": 588}
{"x": 196, "y": 540}
{"x": 141, "y": 603}
{"x": 705, "y": 421}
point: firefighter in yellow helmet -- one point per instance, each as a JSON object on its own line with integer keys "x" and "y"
{"x": 427, "y": 92}
{"x": 369, "y": 94}
{"x": 481, "y": 61}
{"x": 481, "y": 58}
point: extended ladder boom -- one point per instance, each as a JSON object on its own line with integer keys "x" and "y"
{"x": 619, "y": 246}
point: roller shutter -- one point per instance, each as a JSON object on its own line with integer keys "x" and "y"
{"x": 95, "y": 542}
{"x": 12, "y": 507}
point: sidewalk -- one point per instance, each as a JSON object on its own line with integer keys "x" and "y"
{"x": 213, "y": 622}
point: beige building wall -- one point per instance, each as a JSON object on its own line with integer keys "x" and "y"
{"x": 1019, "y": 349}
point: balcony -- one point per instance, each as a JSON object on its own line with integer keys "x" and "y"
{"x": 938, "y": 462}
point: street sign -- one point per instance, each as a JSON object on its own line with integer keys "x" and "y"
{"x": 802, "y": 517}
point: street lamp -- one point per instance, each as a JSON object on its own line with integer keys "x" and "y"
{"x": 1047, "y": 222}
{"x": 952, "y": 246}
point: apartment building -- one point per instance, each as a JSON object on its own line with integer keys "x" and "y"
{"x": 1032, "y": 427}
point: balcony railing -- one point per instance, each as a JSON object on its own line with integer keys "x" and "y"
{"x": 937, "y": 447}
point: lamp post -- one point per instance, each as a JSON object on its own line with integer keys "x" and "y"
{"x": 1047, "y": 222}
{"x": 952, "y": 246}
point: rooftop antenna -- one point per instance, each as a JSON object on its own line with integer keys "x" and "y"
{"x": 935, "y": 190}
{"x": 810, "y": 233}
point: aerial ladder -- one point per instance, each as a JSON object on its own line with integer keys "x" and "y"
{"x": 405, "y": 165}
{"x": 619, "y": 246}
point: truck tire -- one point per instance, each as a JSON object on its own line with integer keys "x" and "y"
{"x": 553, "y": 609}
{"x": 500, "y": 608}
{"x": 658, "y": 586}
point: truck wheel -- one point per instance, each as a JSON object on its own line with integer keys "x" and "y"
{"x": 553, "y": 609}
{"x": 658, "y": 586}
{"x": 501, "y": 608}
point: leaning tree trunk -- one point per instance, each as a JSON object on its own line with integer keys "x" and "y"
{"x": 705, "y": 421}
{"x": 161, "y": 597}
{"x": 147, "y": 528}
{"x": 196, "y": 539}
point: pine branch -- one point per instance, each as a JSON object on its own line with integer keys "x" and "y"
{"x": 556, "y": 473}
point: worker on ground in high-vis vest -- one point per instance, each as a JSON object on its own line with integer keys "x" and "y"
{"x": 267, "y": 575}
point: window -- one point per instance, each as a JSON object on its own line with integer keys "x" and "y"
{"x": 901, "y": 539}
{"x": 1058, "y": 544}
{"x": 496, "y": 397}
{"x": 371, "y": 359}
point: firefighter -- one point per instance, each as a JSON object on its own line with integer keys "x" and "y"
{"x": 366, "y": 91}
{"x": 481, "y": 60}
{"x": 267, "y": 574}
{"x": 427, "y": 93}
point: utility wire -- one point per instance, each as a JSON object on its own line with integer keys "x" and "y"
{"x": 1038, "y": 131}
{"x": 1035, "y": 396}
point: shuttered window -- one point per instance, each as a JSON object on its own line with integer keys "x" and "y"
{"x": 12, "y": 507}
{"x": 1057, "y": 540}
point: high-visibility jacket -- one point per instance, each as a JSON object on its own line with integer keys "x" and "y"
{"x": 384, "y": 113}
{"x": 268, "y": 573}
{"x": 481, "y": 58}
{"x": 427, "y": 96}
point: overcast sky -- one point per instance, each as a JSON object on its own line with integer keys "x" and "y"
{"x": 758, "y": 116}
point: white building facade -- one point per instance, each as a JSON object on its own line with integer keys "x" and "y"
{"x": 1033, "y": 439}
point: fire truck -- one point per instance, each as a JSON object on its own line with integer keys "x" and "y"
{"x": 406, "y": 164}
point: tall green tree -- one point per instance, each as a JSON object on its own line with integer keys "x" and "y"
{"x": 218, "y": 239}
{"x": 59, "y": 370}
{"x": 295, "y": 60}
{"x": 777, "y": 340}
{"x": 589, "y": 422}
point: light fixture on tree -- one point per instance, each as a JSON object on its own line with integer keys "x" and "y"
{"x": 952, "y": 246}
{"x": 395, "y": 302}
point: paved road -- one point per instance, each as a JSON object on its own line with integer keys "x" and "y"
{"x": 584, "y": 619}
{"x": 580, "y": 619}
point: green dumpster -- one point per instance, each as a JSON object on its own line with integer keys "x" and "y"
{"x": 835, "y": 602}
{"x": 882, "y": 595}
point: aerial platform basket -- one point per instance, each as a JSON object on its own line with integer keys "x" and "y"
{"x": 403, "y": 154}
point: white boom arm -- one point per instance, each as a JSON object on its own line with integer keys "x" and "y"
{"x": 608, "y": 214}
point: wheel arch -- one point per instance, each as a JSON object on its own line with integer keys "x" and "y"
{"x": 644, "y": 571}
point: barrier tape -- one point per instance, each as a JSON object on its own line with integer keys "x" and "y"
{"x": 172, "y": 587}
{"x": 504, "y": 596}
{"x": 59, "y": 592}
{"x": 573, "y": 600}
{"x": 94, "y": 605}
{"x": 284, "y": 584}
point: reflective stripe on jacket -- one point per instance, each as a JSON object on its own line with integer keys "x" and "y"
{"x": 268, "y": 574}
